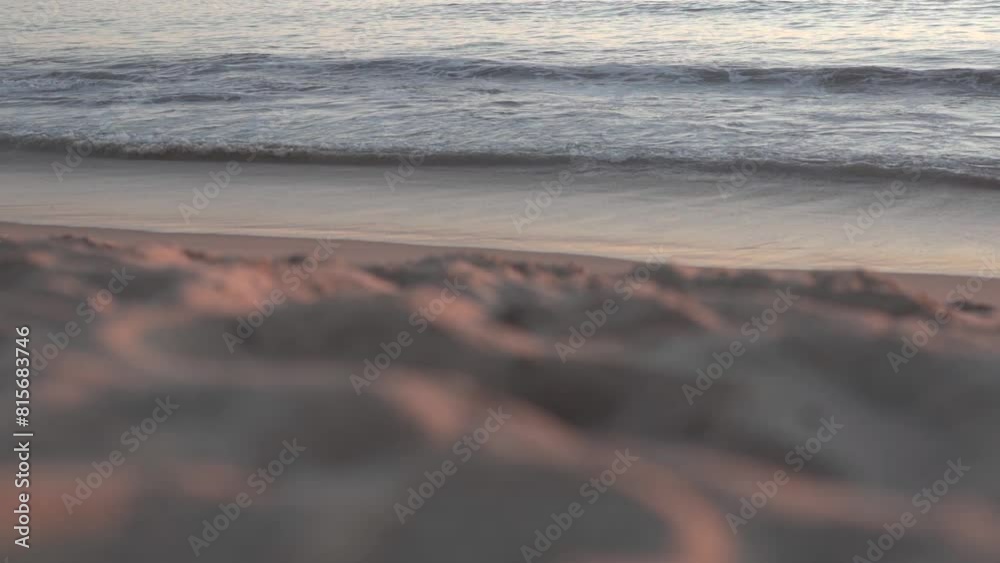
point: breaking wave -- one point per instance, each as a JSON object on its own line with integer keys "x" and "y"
{"x": 984, "y": 174}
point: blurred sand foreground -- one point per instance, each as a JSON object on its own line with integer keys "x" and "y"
{"x": 245, "y": 399}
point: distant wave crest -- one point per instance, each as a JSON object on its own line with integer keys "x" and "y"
{"x": 832, "y": 76}
{"x": 303, "y": 73}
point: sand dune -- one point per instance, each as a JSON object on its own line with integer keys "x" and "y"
{"x": 476, "y": 407}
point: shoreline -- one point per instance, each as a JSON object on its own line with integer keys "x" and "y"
{"x": 363, "y": 252}
{"x": 764, "y": 221}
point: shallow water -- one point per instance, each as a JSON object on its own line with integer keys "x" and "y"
{"x": 770, "y": 220}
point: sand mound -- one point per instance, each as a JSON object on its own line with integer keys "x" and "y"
{"x": 465, "y": 408}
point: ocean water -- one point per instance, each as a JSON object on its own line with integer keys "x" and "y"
{"x": 812, "y": 83}
{"x": 668, "y": 106}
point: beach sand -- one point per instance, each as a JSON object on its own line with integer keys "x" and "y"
{"x": 235, "y": 398}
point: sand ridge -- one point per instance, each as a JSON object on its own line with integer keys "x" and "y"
{"x": 385, "y": 373}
